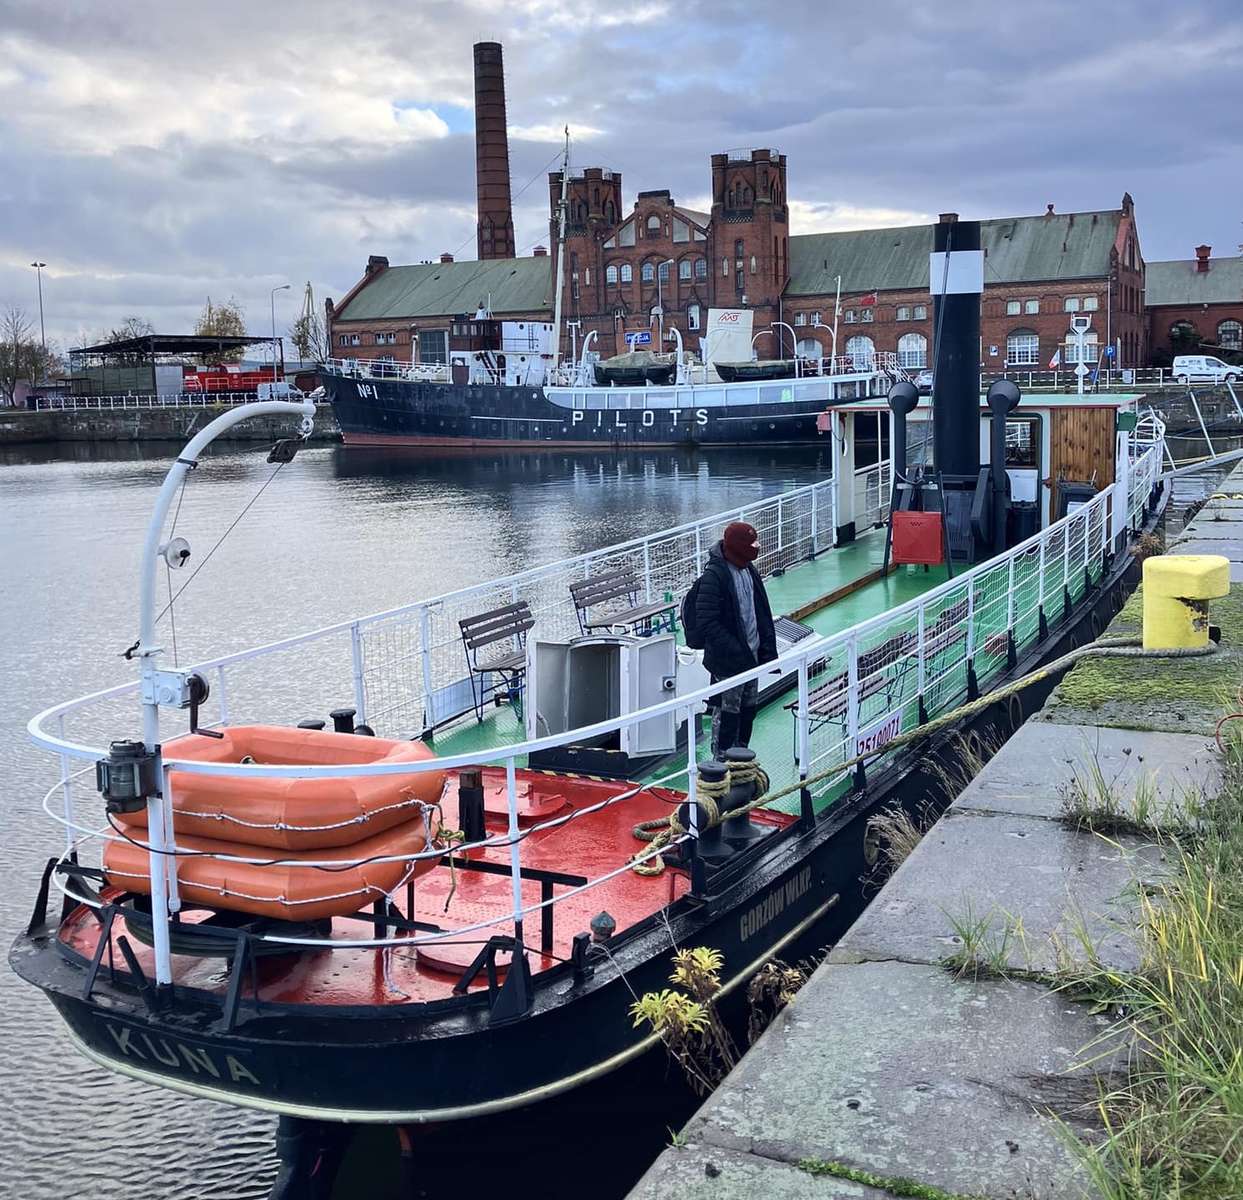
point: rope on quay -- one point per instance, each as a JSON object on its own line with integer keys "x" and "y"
{"x": 664, "y": 829}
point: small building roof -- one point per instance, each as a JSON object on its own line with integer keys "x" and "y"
{"x": 152, "y": 344}
{"x": 1017, "y": 250}
{"x": 510, "y": 285}
{"x": 1179, "y": 282}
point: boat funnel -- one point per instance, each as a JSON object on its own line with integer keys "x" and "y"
{"x": 956, "y": 279}
{"x": 1003, "y": 398}
{"x": 903, "y": 397}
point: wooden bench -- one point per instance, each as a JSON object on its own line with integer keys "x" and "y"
{"x": 482, "y": 633}
{"x": 827, "y": 700}
{"x": 620, "y": 585}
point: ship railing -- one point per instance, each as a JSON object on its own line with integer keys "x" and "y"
{"x": 873, "y": 489}
{"x": 126, "y": 401}
{"x": 388, "y": 368}
{"x": 892, "y": 673}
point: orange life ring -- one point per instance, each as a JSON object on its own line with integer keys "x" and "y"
{"x": 286, "y": 892}
{"x": 294, "y": 814}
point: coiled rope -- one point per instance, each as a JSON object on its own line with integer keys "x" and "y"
{"x": 664, "y": 829}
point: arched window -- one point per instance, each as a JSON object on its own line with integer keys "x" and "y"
{"x": 664, "y": 271}
{"x": 653, "y": 225}
{"x": 610, "y": 213}
{"x": 684, "y": 269}
{"x": 701, "y": 268}
{"x": 1230, "y": 335}
{"x": 648, "y": 274}
{"x": 582, "y": 212}
{"x": 610, "y": 273}
{"x": 1023, "y": 348}
{"x": 913, "y": 351}
{"x": 809, "y": 348}
{"x": 627, "y": 273}
{"x": 862, "y": 349}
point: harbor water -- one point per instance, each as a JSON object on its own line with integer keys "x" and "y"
{"x": 337, "y": 533}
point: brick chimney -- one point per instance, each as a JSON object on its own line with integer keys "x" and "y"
{"x": 540, "y": 252}
{"x": 1202, "y": 253}
{"x": 1048, "y": 210}
{"x": 446, "y": 257}
{"x": 496, "y": 218}
{"x": 375, "y": 264}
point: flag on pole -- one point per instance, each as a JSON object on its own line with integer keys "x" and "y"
{"x": 1056, "y": 360}
{"x": 869, "y": 300}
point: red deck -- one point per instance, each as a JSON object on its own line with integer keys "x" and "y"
{"x": 590, "y": 846}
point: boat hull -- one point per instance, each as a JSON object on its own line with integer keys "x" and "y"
{"x": 793, "y": 893}
{"x": 398, "y": 412}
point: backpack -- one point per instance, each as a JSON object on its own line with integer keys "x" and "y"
{"x": 690, "y": 619}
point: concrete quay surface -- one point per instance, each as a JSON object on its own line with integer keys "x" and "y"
{"x": 886, "y": 1063}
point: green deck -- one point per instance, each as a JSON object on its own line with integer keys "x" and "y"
{"x": 773, "y": 736}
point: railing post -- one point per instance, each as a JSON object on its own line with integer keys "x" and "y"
{"x": 647, "y": 571}
{"x": 780, "y": 524}
{"x": 360, "y": 690}
{"x": 222, "y": 695}
{"x": 852, "y": 704}
{"x": 699, "y": 554}
{"x": 425, "y": 654}
{"x": 815, "y": 526}
{"x": 515, "y": 860}
{"x": 66, "y": 786}
{"x": 804, "y": 744}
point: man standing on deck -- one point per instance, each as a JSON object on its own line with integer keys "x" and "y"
{"x": 736, "y": 624}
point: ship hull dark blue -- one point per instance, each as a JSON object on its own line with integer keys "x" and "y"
{"x": 397, "y": 412}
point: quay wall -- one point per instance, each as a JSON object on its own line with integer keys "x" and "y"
{"x": 889, "y": 1070}
{"x": 18, "y": 427}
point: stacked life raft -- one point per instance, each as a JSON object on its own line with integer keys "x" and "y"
{"x": 286, "y": 823}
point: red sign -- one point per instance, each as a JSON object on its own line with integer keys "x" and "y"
{"x": 731, "y": 318}
{"x": 869, "y": 300}
{"x": 917, "y": 538}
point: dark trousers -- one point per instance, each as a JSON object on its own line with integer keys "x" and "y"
{"x": 733, "y": 717}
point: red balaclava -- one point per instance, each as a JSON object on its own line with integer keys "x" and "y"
{"x": 739, "y": 545}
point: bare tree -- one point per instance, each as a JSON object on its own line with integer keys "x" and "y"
{"x": 22, "y": 357}
{"x": 306, "y": 335}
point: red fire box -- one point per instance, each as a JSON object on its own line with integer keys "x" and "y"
{"x": 917, "y": 538}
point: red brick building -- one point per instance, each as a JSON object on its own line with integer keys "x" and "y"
{"x": 1195, "y": 303}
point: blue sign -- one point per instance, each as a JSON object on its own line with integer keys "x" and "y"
{"x": 643, "y": 338}
{"x": 1109, "y": 351}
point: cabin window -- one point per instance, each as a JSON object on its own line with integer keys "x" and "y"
{"x": 913, "y": 351}
{"x": 627, "y": 273}
{"x": 1023, "y": 348}
{"x": 800, "y": 318}
{"x": 433, "y": 346}
{"x": 1230, "y": 335}
{"x": 701, "y": 268}
{"x": 862, "y": 351}
{"x": 1031, "y": 307}
{"x": 684, "y": 269}
{"x": 692, "y": 316}
{"x": 610, "y": 274}
{"x": 648, "y": 274}
{"x": 1089, "y": 348}
{"x": 904, "y": 312}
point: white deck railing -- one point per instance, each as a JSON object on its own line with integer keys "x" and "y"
{"x": 856, "y": 689}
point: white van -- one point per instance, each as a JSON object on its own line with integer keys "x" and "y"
{"x": 278, "y": 391}
{"x": 1203, "y": 368}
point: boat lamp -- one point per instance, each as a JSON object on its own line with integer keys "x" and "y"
{"x": 127, "y": 776}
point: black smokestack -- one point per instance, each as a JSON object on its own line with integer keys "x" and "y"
{"x": 956, "y": 343}
{"x": 496, "y": 217}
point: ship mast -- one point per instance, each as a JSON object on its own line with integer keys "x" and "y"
{"x": 556, "y": 313}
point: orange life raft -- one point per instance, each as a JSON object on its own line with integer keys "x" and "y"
{"x": 293, "y": 820}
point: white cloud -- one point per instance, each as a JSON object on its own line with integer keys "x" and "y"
{"x": 810, "y": 217}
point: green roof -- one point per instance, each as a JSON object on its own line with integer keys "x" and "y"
{"x": 1179, "y": 282}
{"x": 509, "y": 285}
{"x": 1018, "y": 250}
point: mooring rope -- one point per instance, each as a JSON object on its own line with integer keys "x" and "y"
{"x": 662, "y": 830}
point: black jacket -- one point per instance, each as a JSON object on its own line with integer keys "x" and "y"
{"x": 725, "y": 644}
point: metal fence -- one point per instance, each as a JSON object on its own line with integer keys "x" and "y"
{"x": 122, "y": 402}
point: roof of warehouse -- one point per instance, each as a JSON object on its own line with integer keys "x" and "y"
{"x": 1018, "y": 250}
{"x": 1179, "y": 282}
{"x": 509, "y": 285}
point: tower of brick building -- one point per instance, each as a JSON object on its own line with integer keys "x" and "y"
{"x": 495, "y": 230}
{"x": 593, "y": 212}
{"x": 750, "y": 233}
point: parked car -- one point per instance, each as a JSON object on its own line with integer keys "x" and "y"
{"x": 1204, "y": 368}
{"x": 923, "y": 381}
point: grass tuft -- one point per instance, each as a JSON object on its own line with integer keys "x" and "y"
{"x": 984, "y": 944}
{"x": 895, "y": 1185}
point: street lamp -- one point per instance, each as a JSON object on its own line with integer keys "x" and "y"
{"x": 38, "y": 266}
{"x": 284, "y": 287}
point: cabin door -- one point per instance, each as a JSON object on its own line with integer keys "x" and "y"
{"x": 650, "y": 675}
{"x": 1081, "y": 448}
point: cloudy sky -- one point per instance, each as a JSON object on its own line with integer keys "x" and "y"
{"x": 156, "y": 152}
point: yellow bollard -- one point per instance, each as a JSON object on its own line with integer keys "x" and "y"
{"x": 1177, "y": 589}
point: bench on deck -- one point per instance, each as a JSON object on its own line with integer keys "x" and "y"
{"x": 613, "y": 587}
{"x": 482, "y": 633}
{"x": 827, "y": 700}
